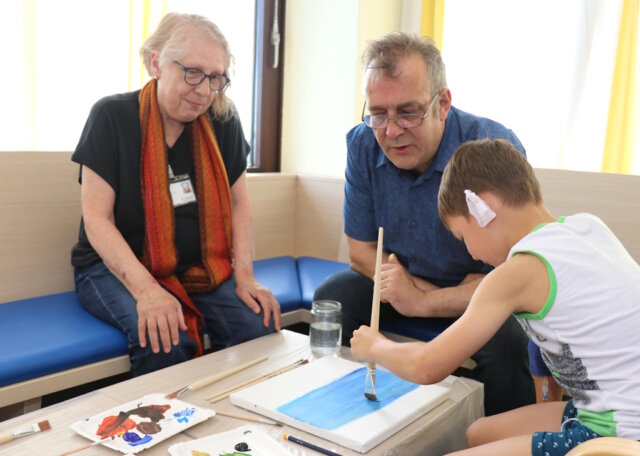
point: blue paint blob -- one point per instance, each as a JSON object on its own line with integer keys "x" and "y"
{"x": 343, "y": 401}
{"x": 183, "y": 415}
{"x": 133, "y": 439}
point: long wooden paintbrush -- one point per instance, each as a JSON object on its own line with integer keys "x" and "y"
{"x": 255, "y": 419}
{"x": 33, "y": 429}
{"x": 87, "y": 445}
{"x": 370, "y": 380}
{"x": 226, "y": 393}
{"x": 219, "y": 376}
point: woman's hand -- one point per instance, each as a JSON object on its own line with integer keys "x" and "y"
{"x": 257, "y": 296}
{"x": 159, "y": 312}
{"x": 160, "y": 315}
{"x": 248, "y": 289}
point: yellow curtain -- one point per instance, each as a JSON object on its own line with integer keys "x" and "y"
{"x": 144, "y": 16}
{"x": 432, "y": 20}
{"x": 620, "y": 135}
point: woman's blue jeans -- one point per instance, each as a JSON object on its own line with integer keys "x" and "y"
{"x": 228, "y": 320}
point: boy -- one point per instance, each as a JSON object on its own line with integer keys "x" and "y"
{"x": 571, "y": 284}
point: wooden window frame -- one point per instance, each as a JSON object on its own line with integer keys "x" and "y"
{"x": 267, "y": 90}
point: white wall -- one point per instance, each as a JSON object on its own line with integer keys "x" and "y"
{"x": 377, "y": 18}
{"x": 322, "y": 89}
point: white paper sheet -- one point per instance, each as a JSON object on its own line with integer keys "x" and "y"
{"x": 140, "y": 424}
{"x": 258, "y": 443}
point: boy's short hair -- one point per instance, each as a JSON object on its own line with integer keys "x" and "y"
{"x": 493, "y": 165}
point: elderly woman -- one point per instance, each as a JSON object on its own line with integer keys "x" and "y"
{"x": 165, "y": 241}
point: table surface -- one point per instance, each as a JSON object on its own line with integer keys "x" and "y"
{"x": 439, "y": 431}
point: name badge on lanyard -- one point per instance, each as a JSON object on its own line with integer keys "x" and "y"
{"x": 181, "y": 188}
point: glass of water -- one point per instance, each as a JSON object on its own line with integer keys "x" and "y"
{"x": 325, "y": 334}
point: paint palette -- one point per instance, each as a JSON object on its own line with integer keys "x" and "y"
{"x": 326, "y": 398}
{"x": 141, "y": 424}
{"x": 243, "y": 440}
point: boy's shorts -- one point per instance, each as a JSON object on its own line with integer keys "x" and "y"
{"x": 560, "y": 443}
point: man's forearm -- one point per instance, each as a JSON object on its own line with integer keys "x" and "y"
{"x": 446, "y": 301}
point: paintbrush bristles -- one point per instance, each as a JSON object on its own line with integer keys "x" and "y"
{"x": 44, "y": 425}
{"x": 370, "y": 383}
{"x": 177, "y": 393}
{"x": 33, "y": 429}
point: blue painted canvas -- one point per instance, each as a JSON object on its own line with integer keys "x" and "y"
{"x": 343, "y": 400}
{"x": 326, "y": 398}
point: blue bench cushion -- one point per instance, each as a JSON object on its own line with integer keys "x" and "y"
{"x": 280, "y": 275}
{"x": 311, "y": 272}
{"x": 40, "y": 336}
{"x": 48, "y": 334}
{"x": 55, "y": 333}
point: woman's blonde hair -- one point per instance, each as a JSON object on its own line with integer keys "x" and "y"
{"x": 171, "y": 42}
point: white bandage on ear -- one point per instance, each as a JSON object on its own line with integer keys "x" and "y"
{"x": 478, "y": 208}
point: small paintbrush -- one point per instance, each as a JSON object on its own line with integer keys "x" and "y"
{"x": 87, "y": 445}
{"x": 370, "y": 379}
{"x": 214, "y": 378}
{"x": 226, "y": 393}
{"x": 33, "y": 429}
{"x": 256, "y": 419}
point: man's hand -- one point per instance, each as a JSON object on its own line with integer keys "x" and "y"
{"x": 413, "y": 296}
{"x": 398, "y": 287}
{"x": 362, "y": 341}
{"x": 159, "y": 314}
{"x": 257, "y": 296}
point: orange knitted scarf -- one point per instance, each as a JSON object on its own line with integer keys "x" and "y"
{"x": 214, "y": 210}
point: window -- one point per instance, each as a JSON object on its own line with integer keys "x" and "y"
{"x": 267, "y": 124}
{"x": 61, "y": 57}
{"x": 543, "y": 69}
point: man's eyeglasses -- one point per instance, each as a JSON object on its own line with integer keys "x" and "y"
{"x": 406, "y": 120}
{"x": 195, "y": 76}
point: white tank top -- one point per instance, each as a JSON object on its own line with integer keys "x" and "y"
{"x": 589, "y": 328}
